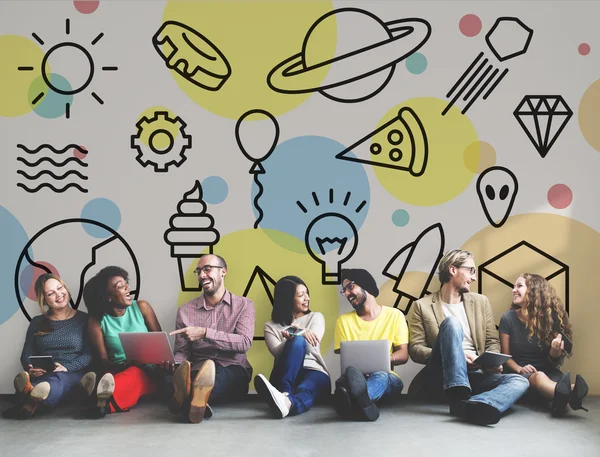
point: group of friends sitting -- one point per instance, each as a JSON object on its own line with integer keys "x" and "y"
{"x": 448, "y": 330}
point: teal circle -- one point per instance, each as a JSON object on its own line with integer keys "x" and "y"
{"x": 214, "y": 190}
{"x": 400, "y": 218}
{"x": 416, "y": 63}
{"x": 53, "y": 104}
{"x": 101, "y": 210}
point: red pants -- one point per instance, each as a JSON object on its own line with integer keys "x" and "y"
{"x": 130, "y": 385}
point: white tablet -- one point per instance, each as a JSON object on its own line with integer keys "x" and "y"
{"x": 147, "y": 347}
{"x": 491, "y": 359}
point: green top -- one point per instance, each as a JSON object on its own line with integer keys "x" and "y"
{"x": 131, "y": 321}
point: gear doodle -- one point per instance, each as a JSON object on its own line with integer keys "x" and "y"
{"x": 161, "y": 141}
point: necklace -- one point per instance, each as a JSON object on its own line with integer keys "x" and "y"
{"x": 68, "y": 316}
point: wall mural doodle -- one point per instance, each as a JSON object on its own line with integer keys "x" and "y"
{"x": 79, "y": 154}
{"x": 254, "y": 151}
{"x": 113, "y": 249}
{"x": 161, "y": 141}
{"x": 428, "y": 249}
{"x": 336, "y": 111}
{"x": 543, "y": 118}
{"x": 383, "y": 45}
{"x": 59, "y": 85}
{"x": 191, "y": 231}
{"x": 388, "y": 138}
{"x": 193, "y": 56}
{"x": 497, "y": 189}
{"x": 509, "y": 37}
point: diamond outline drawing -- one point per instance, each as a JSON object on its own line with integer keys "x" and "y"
{"x": 536, "y": 113}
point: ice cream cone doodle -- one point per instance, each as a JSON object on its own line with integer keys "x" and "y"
{"x": 191, "y": 230}
{"x": 257, "y": 146}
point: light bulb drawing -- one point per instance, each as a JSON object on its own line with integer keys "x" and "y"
{"x": 331, "y": 238}
{"x": 67, "y": 50}
{"x": 257, "y": 148}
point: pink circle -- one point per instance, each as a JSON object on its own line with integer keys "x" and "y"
{"x": 584, "y": 49}
{"x": 470, "y": 25}
{"x": 560, "y": 196}
{"x": 80, "y": 155}
{"x": 86, "y": 6}
{"x": 31, "y": 273}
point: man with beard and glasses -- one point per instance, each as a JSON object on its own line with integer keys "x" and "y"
{"x": 355, "y": 395}
{"x": 448, "y": 331}
{"x": 213, "y": 333}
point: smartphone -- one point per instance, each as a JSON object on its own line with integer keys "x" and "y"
{"x": 568, "y": 344}
{"x": 294, "y": 331}
{"x": 45, "y": 362}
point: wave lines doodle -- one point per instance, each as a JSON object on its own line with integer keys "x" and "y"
{"x": 50, "y": 186}
{"x": 48, "y": 172}
{"x": 56, "y": 164}
{"x": 52, "y": 148}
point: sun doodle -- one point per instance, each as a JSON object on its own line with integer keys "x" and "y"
{"x": 60, "y": 85}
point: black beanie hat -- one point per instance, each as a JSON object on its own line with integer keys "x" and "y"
{"x": 363, "y": 278}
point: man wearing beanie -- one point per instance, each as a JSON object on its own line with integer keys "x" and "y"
{"x": 355, "y": 395}
{"x": 448, "y": 330}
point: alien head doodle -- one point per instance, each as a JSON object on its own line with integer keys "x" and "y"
{"x": 509, "y": 37}
{"x": 497, "y": 189}
{"x": 426, "y": 249}
{"x": 400, "y": 144}
{"x": 193, "y": 56}
{"x": 56, "y": 55}
{"x": 191, "y": 230}
{"x": 44, "y": 253}
{"x": 161, "y": 141}
{"x": 356, "y": 73}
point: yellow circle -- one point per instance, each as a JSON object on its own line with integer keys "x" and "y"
{"x": 479, "y": 156}
{"x": 160, "y": 123}
{"x": 567, "y": 240}
{"x": 247, "y": 249}
{"x": 589, "y": 112}
{"x": 17, "y": 51}
{"x": 253, "y": 37}
{"x": 445, "y": 175}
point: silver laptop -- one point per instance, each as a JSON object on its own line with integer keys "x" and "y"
{"x": 147, "y": 347}
{"x": 366, "y": 356}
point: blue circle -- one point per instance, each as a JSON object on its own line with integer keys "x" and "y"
{"x": 102, "y": 210}
{"x": 400, "y": 218}
{"x": 301, "y": 167}
{"x": 53, "y": 104}
{"x": 12, "y": 241}
{"x": 214, "y": 190}
{"x": 416, "y": 63}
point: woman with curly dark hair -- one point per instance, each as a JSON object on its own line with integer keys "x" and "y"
{"x": 534, "y": 332}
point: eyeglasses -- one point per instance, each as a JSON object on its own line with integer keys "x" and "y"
{"x": 206, "y": 269}
{"x": 472, "y": 270}
{"x": 346, "y": 288}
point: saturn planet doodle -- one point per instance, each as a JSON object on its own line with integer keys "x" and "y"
{"x": 368, "y": 50}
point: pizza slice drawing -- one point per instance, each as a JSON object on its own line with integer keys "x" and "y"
{"x": 400, "y": 143}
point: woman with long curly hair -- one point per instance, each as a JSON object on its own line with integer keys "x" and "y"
{"x": 534, "y": 332}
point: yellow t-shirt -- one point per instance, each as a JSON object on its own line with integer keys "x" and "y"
{"x": 390, "y": 325}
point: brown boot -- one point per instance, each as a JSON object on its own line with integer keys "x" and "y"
{"x": 201, "y": 389}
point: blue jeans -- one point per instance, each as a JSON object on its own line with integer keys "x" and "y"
{"x": 447, "y": 367}
{"x": 61, "y": 384}
{"x": 231, "y": 383}
{"x": 303, "y": 385}
{"x": 384, "y": 385}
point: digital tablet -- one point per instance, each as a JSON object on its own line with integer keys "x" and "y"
{"x": 491, "y": 359}
{"x": 45, "y": 362}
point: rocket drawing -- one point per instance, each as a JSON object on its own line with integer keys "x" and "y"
{"x": 427, "y": 248}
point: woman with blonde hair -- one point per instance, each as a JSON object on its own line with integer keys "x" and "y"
{"x": 534, "y": 331}
{"x": 61, "y": 332}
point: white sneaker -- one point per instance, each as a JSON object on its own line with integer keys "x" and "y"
{"x": 278, "y": 402}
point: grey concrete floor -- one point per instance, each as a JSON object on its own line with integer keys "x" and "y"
{"x": 248, "y": 430}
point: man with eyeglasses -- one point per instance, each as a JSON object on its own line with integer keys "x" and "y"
{"x": 213, "y": 334}
{"x": 355, "y": 395}
{"x": 448, "y": 331}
